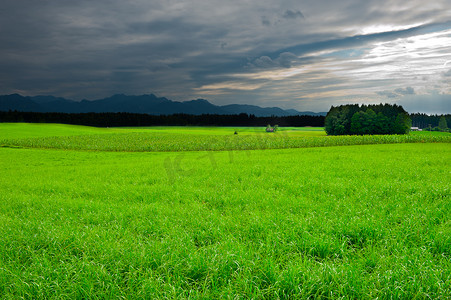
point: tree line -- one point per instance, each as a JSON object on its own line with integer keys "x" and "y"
{"x": 133, "y": 119}
{"x": 425, "y": 121}
{"x": 354, "y": 119}
{"x": 419, "y": 120}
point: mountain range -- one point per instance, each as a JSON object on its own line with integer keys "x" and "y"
{"x": 145, "y": 104}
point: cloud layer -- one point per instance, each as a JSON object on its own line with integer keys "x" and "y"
{"x": 306, "y": 55}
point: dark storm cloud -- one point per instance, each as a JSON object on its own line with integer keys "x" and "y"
{"x": 357, "y": 40}
{"x": 59, "y": 47}
{"x": 90, "y": 49}
{"x": 292, "y": 14}
{"x": 388, "y": 94}
{"x": 284, "y": 60}
{"x": 399, "y": 92}
{"x": 284, "y": 57}
{"x": 266, "y": 21}
{"x": 407, "y": 91}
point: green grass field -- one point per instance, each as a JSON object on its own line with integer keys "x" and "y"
{"x": 355, "y": 221}
{"x": 168, "y": 139}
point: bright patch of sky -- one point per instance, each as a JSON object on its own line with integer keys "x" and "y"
{"x": 370, "y": 74}
{"x": 379, "y": 28}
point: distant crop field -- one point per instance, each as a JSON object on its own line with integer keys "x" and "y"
{"x": 33, "y": 130}
{"x": 359, "y": 221}
{"x": 164, "y": 139}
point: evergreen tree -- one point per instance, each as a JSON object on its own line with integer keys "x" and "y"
{"x": 356, "y": 122}
{"x": 442, "y": 124}
{"x": 382, "y": 124}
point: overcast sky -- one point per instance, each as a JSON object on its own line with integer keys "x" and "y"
{"x": 301, "y": 54}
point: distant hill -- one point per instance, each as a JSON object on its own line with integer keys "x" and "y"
{"x": 146, "y": 104}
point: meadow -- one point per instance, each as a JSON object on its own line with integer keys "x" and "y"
{"x": 362, "y": 221}
{"x": 170, "y": 139}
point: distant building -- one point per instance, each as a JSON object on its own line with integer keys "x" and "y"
{"x": 415, "y": 129}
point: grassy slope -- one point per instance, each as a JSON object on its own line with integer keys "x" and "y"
{"x": 356, "y": 221}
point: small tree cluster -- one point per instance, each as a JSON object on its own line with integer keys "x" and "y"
{"x": 354, "y": 119}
